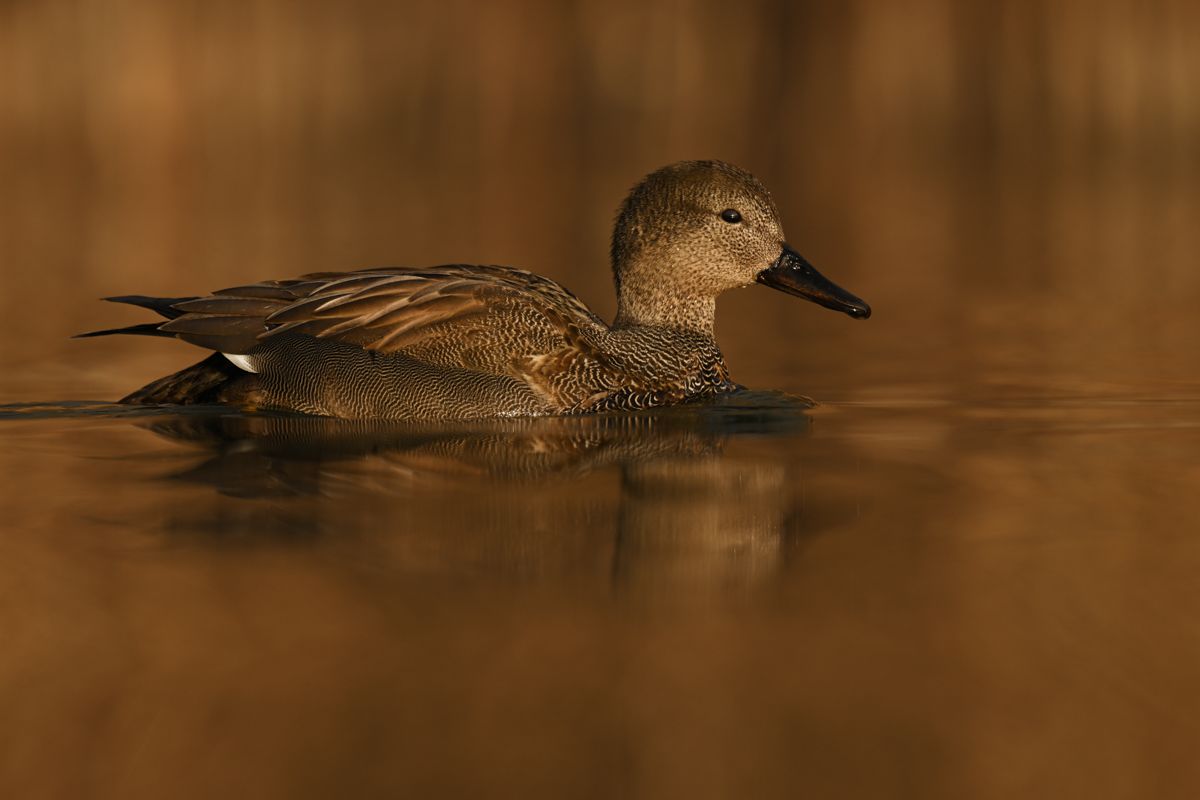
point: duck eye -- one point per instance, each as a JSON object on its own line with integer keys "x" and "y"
{"x": 731, "y": 216}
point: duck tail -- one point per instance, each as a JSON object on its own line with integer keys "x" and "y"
{"x": 204, "y": 382}
{"x": 141, "y": 329}
{"x": 163, "y": 306}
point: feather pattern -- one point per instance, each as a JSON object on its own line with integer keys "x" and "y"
{"x": 495, "y": 322}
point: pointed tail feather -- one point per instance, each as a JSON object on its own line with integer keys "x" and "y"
{"x": 159, "y": 305}
{"x": 143, "y": 329}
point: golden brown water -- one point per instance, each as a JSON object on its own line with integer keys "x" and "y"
{"x": 971, "y": 571}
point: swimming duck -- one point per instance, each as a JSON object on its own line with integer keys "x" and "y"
{"x": 462, "y": 341}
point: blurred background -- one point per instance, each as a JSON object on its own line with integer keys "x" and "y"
{"x": 970, "y": 573}
{"x": 1012, "y": 186}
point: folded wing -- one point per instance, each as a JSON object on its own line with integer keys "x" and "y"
{"x": 491, "y": 319}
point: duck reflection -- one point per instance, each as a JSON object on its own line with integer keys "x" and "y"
{"x": 651, "y": 498}
{"x": 269, "y": 456}
{"x": 709, "y": 521}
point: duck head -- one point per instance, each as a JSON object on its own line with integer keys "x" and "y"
{"x": 695, "y": 229}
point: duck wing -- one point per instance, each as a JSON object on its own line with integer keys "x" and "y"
{"x": 486, "y": 318}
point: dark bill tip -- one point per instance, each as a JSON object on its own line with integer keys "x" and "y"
{"x": 791, "y": 273}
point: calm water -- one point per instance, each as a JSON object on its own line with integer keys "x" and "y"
{"x": 919, "y": 597}
{"x": 969, "y": 572}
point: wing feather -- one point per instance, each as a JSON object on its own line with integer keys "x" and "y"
{"x": 495, "y": 320}
{"x": 231, "y": 305}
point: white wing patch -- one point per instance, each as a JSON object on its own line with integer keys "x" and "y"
{"x": 242, "y": 362}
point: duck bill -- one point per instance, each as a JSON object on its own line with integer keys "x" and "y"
{"x": 792, "y": 274}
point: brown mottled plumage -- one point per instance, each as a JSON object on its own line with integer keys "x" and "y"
{"x": 471, "y": 341}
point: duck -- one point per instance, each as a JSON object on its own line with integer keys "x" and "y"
{"x": 463, "y": 341}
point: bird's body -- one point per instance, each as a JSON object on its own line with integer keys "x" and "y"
{"x": 464, "y": 341}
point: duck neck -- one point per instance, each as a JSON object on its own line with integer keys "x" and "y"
{"x": 656, "y": 304}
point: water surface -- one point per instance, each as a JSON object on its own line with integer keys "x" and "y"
{"x": 709, "y": 601}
